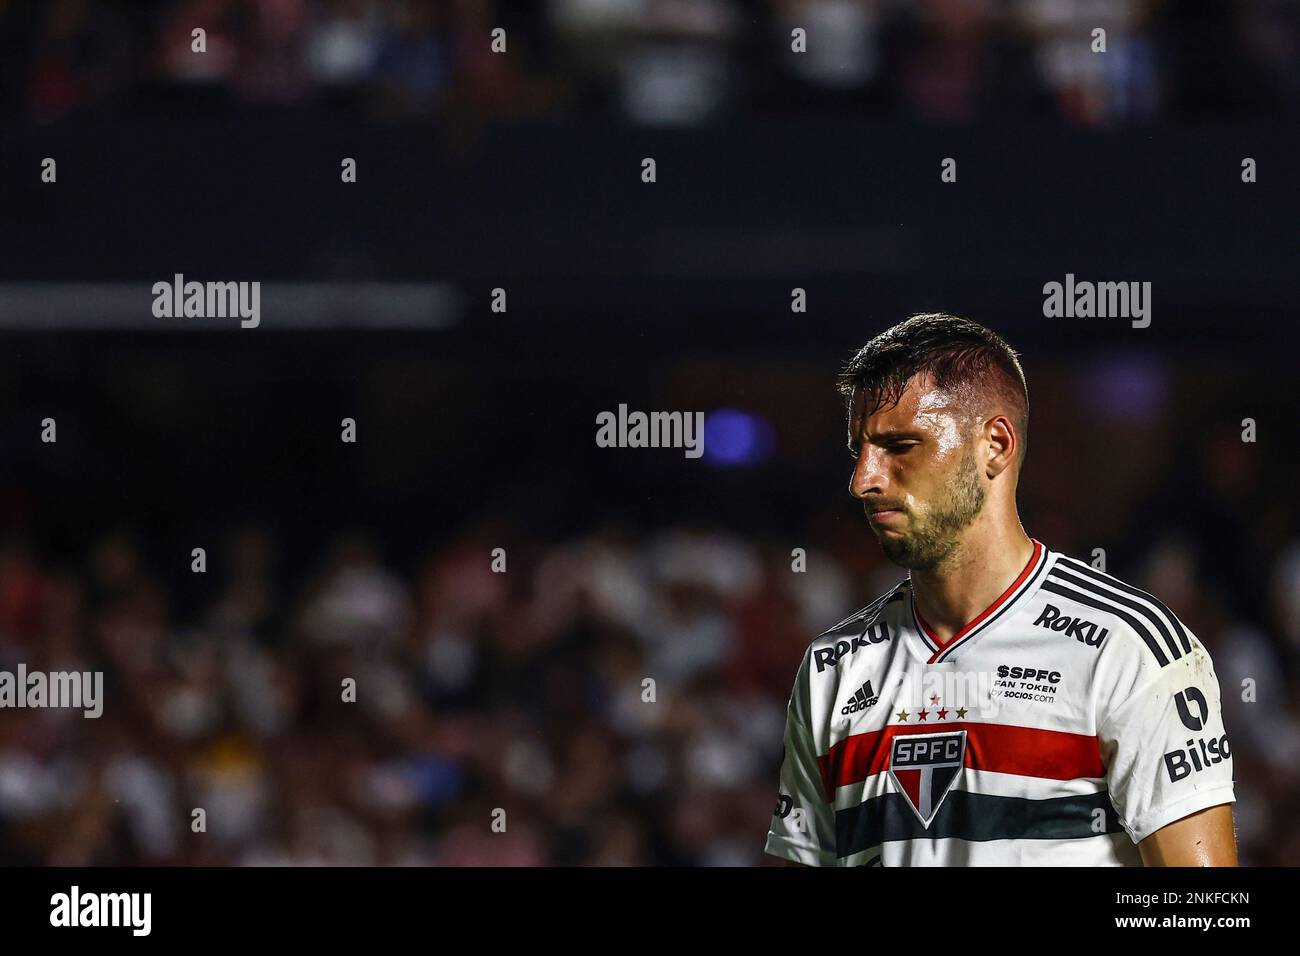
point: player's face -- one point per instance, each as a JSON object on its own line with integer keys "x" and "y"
{"x": 916, "y": 474}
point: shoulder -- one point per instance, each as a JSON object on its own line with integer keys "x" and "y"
{"x": 1144, "y": 636}
{"x": 873, "y": 624}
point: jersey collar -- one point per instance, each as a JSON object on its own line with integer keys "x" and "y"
{"x": 1024, "y": 584}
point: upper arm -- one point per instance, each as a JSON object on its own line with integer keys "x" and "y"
{"x": 803, "y": 824}
{"x": 1203, "y": 839}
{"x": 1167, "y": 755}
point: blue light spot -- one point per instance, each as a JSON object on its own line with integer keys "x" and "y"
{"x": 735, "y": 438}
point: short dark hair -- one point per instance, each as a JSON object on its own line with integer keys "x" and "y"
{"x": 959, "y": 354}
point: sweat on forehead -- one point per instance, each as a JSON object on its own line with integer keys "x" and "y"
{"x": 921, "y": 396}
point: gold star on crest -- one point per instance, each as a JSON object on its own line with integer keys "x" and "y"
{"x": 903, "y": 715}
{"x": 961, "y": 712}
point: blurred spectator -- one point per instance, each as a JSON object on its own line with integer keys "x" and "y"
{"x": 667, "y": 61}
{"x": 474, "y": 698}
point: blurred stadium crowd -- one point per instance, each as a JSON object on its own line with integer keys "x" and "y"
{"x": 658, "y": 61}
{"x": 524, "y": 691}
{"x": 521, "y": 691}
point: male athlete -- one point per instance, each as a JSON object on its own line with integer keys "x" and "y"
{"x": 1005, "y": 704}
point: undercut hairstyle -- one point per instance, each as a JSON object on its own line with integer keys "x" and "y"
{"x": 961, "y": 356}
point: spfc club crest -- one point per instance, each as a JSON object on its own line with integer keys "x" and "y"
{"x": 924, "y": 768}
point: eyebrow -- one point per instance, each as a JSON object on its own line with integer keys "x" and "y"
{"x": 889, "y": 434}
{"x": 896, "y": 433}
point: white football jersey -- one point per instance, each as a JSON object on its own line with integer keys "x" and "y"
{"x": 1072, "y": 718}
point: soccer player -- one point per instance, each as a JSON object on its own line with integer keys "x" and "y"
{"x": 1005, "y": 704}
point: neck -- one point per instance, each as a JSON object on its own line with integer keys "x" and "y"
{"x": 985, "y": 562}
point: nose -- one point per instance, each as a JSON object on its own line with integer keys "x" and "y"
{"x": 869, "y": 478}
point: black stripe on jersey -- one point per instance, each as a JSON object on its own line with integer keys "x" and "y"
{"x": 1065, "y": 577}
{"x": 870, "y": 609}
{"x": 1152, "y": 644}
{"x": 1077, "y": 565}
{"x": 873, "y": 619}
{"x": 977, "y": 817}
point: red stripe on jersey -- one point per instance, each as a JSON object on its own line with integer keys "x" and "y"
{"x": 966, "y": 629}
{"x": 1023, "y": 751}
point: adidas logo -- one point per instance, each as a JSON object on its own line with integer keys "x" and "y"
{"x": 863, "y": 699}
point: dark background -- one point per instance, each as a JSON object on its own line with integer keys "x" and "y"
{"x": 521, "y": 691}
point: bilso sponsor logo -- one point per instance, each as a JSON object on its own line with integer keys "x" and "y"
{"x": 1185, "y": 700}
{"x": 1085, "y": 632}
{"x": 1200, "y": 754}
{"x": 863, "y": 699}
{"x": 830, "y": 656}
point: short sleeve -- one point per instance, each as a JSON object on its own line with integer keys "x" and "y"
{"x": 1163, "y": 741}
{"x": 803, "y": 823}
